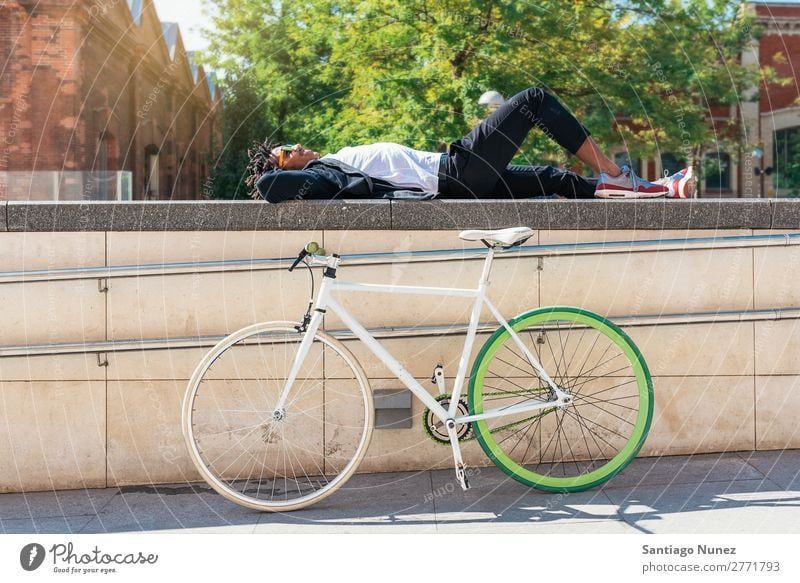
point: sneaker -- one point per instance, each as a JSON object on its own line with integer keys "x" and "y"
{"x": 628, "y": 185}
{"x": 682, "y": 184}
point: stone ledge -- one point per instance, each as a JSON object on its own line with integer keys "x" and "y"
{"x": 196, "y": 216}
{"x": 585, "y": 214}
{"x": 400, "y": 215}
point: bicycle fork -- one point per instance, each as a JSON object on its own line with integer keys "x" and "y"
{"x": 309, "y": 332}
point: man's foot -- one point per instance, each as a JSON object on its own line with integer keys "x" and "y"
{"x": 628, "y": 185}
{"x": 682, "y": 184}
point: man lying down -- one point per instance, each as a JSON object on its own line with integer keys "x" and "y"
{"x": 476, "y": 166}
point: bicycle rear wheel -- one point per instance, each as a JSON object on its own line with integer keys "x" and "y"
{"x": 592, "y": 438}
{"x": 284, "y": 461}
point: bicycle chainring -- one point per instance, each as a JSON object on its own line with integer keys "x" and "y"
{"x": 436, "y": 429}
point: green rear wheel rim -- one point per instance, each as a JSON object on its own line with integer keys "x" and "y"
{"x": 644, "y": 389}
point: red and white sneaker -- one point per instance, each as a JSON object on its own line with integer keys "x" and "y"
{"x": 682, "y": 184}
{"x": 628, "y": 185}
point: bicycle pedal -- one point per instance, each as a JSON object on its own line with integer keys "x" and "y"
{"x": 461, "y": 474}
{"x": 437, "y": 378}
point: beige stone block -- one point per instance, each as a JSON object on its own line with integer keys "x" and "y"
{"x": 145, "y": 440}
{"x": 776, "y": 271}
{"x": 51, "y": 312}
{"x": 647, "y": 283}
{"x": 232, "y": 421}
{"x": 514, "y": 280}
{"x": 777, "y": 347}
{"x": 165, "y": 364}
{"x": 418, "y": 355}
{"x": 777, "y": 403}
{"x": 701, "y": 414}
{"x": 52, "y": 367}
{"x": 412, "y": 449}
{"x": 148, "y": 247}
{"x": 513, "y": 289}
{"x": 250, "y": 358}
{"x": 203, "y": 304}
{"x": 52, "y": 436}
{"x": 36, "y": 251}
{"x": 724, "y": 348}
{"x": 344, "y": 422}
{"x": 651, "y": 283}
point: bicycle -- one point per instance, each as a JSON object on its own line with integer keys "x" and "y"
{"x": 277, "y": 415}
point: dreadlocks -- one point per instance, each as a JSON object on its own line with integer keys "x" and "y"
{"x": 259, "y": 164}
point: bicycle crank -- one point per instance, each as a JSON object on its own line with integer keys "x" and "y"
{"x": 437, "y": 430}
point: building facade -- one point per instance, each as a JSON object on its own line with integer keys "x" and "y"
{"x": 103, "y": 86}
{"x": 773, "y": 120}
{"x": 768, "y": 164}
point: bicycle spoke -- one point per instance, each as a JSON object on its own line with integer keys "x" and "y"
{"x": 562, "y": 354}
{"x": 629, "y": 381}
{"x": 580, "y": 373}
{"x": 577, "y": 415}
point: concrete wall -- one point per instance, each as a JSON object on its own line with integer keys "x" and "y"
{"x": 69, "y": 422}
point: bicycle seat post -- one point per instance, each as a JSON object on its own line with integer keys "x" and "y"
{"x": 487, "y": 269}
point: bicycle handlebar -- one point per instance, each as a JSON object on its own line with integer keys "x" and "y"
{"x": 311, "y": 248}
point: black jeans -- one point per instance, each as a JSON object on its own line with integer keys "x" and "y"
{"x": 478, "y": 164}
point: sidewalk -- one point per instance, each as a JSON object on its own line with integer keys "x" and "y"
{"x": 748, "y": 492}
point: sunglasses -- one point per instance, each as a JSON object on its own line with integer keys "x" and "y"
{"x": 285, "y": 151}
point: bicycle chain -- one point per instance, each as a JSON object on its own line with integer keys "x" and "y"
{"x": 471, "y": 435}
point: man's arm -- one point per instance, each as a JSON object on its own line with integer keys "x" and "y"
{"x": 277, "y": 186}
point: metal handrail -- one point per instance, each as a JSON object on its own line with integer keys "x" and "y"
{"x": 391, "y": 332}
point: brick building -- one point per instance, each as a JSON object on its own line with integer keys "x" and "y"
{"x": 774, "y": 120}
{"x": 104, "y": 86}
{"x": 770, "y": 122}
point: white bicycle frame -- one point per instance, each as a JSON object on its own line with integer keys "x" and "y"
{"x": 325, "y": 300}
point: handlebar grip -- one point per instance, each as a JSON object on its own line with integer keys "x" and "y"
{"x": 311, "y": 248}
{"x": 302, "y": 255}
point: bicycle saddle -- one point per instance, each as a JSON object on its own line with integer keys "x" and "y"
{"x": 503, "y": 237}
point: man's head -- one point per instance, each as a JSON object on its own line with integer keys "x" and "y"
{"x": 268, "y": 156}
{"x": 292, "y": 157}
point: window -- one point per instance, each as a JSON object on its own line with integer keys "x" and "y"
{"x": 670, "y": 164}
{"x": 786, "y": 161}
{"x": 717, "y": 169}
{"x": 102, "y": 166}
{"x": 151, "y": 173}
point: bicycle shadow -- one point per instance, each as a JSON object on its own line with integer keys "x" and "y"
{"x": 720, "y": 493}
{"x": 703, "y": 493}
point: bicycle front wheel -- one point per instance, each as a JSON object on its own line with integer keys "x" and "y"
{"x": 591, "y": 439}
{"x": 271, "y": 459}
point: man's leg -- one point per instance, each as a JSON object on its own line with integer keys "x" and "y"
{"x": 530, "y": 181}
{"x": 481, "y": 157}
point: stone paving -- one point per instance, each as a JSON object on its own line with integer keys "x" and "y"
{"x": 746, "y": 492}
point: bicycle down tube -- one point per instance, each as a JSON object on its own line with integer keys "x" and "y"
{"x": 325, "y": 300}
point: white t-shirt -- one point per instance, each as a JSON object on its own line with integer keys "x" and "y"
{"x": 399, "y": 165}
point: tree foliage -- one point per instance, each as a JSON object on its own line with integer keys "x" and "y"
{"x": 330, "y": 73}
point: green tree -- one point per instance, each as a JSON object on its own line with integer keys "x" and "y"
{"x": 244, "y": 120}
{"x": 332, "y": 73}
